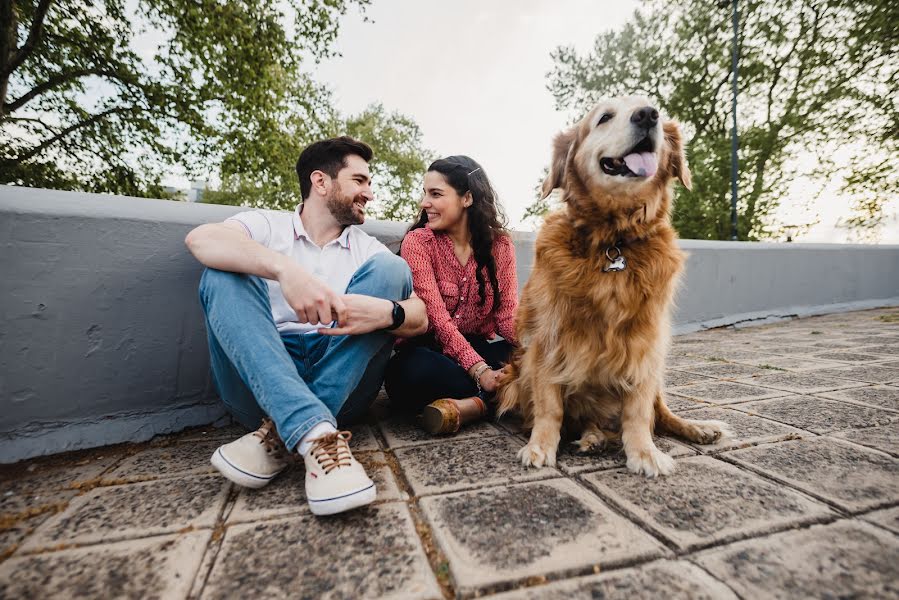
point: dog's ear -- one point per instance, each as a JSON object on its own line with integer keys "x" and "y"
{"x": 677, "y": 160}
{"x": 562, "y": 145}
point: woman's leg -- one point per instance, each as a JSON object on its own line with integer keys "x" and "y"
{"x": 418, "y": 375}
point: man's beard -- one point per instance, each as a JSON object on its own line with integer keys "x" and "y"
{"x": 341, "y": 208}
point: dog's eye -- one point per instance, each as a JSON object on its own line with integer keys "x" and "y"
{"x": 604, "y": 118}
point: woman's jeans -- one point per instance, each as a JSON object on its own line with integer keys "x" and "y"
{"x": 298, "y": 380}
{"x": 420, "y": 373}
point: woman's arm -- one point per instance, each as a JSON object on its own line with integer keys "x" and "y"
{"x": 508, "y": 289}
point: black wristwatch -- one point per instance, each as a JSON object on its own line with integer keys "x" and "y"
{"x": 399, "y": 316}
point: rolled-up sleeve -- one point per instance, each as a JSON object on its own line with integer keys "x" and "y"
{"x": 507, "y": 278}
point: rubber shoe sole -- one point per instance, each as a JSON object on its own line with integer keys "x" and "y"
{"x": 339, "y": 504}
{"x": 238, "y": 475}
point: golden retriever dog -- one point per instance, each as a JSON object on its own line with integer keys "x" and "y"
{"x": 594, "y": 318}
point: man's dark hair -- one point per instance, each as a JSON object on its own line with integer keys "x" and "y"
{"x": 328, "y": 156}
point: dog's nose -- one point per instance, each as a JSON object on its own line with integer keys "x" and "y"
{"x": 645, "y": 117}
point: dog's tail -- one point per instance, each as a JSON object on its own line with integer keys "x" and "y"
{"x": 509, "y": 392}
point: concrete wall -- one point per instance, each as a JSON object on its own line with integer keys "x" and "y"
{"x": 103, "y": 340}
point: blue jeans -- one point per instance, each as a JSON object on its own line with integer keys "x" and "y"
{"x": 298, "y": 380}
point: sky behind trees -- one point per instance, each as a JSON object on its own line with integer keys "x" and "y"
{"x": 473, "y": 76}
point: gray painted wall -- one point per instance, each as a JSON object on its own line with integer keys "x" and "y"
{"x": 103, "y": 340}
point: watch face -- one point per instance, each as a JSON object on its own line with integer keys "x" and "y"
{"x": 399, "y": 315}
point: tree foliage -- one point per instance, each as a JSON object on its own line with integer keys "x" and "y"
{"x": 95, "y": 98}
{"x": 818, "y": 80}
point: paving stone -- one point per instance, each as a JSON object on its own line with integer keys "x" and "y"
{"x": 851, "y": 357}
{"x": 847, "y": 559}
{"x": 512, "y": 423}
{"x": 679, "y": 403}
{"x": 287, "y": 493}
{"x": 466, "y": 463}
{"x": 46, "y": 484}
{"x": 818, "y": 415}
{"x": 882, "y": 396}
{"x": 507, "y": 534}
{"x": 748, "y": 430}
{"x": 159, "y": 567}
{"x": 793, "y": 364}
{"x": 706, "y": 501}
{"x": 683, "y": 360}
{"x": 135, "y": 510}
{"x": 660, "y": 579}
{"x": 611, "y": 456}
{"x": 363, "y": 439}
{"x": 732, "y": 354}
{"x": 849, "y": 476}
{"x": 402, "y": 430}
{"x": 801, "y": 383}
{"x": 879, "y": 373}
{"x": 840, "y": 344}
{"x": 885, "y": 438}
{"x": 675, "y": 378}
{"x": 367, "y": 553}
{"x": 726, "y": 392}
{"x": 173, "y": 460}
{"x": 787, "y": 347}
{"x": 727, "y": 370}
{"x": 887, "y": 518}
{"x": 885, "y": 350}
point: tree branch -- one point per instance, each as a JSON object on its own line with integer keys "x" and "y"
{"x": 37, "y": 27}
{"x": 56, "y": 81}
{"x": 89, "y": 121}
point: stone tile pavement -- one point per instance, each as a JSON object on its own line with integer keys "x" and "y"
{"x": 802, "y": 502}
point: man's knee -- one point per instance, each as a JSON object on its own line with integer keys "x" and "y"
{"x": 214, "y": 281}
{"x": 387, "y": 272}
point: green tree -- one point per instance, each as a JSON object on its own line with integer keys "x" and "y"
{"x": 95, "y": 98}
{"x": 818, "y": 79}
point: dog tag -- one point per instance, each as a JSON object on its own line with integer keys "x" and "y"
{"x": 616, "y": 260}
{"x": 616, "y": 265}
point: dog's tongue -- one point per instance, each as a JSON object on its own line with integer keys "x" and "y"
{"x": 643, "y": 164}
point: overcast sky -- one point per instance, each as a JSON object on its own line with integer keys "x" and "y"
{"x": 472, "y": 73}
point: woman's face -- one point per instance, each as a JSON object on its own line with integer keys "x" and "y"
{"x": 443, "y": 204}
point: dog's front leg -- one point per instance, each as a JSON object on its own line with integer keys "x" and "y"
{"x": 544, "y": 442}
{"x": 637, "y": 414}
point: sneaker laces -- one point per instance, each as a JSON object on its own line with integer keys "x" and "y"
{"x": 270, "y": 439}
{"x": 332, "y": 451}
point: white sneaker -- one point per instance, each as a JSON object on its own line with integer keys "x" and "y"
{"x": 254, "y": 459}
{"x": 335, "y": 481}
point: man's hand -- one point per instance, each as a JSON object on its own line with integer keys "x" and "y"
{"x": 363, "y": 314}
{"x": 312, "y": 300}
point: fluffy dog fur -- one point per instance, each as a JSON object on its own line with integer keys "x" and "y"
{"x": 593, "y": 343}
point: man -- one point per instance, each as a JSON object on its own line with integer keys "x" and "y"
{"x": 301, "y": 309}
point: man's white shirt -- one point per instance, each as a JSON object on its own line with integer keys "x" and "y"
{"x": 334, "y": 264}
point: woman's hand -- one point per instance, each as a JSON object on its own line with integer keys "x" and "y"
{"x": 490, "y": 379}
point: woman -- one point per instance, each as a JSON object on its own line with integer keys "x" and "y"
{"x": 463, "y": 268}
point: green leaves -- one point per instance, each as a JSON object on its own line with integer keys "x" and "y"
{"x": 108, "y": 101}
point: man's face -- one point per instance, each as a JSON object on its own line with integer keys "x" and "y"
{"x": 350, "y": 192}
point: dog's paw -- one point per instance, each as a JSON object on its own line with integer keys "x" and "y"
{"x": 651, "y": 462}
{"x": 709, "y": 432}
{"x": 590, "y": 442}
{"x": 532, "y": 455}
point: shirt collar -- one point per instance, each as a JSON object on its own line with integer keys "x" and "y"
{"x": 300, "y": 231}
